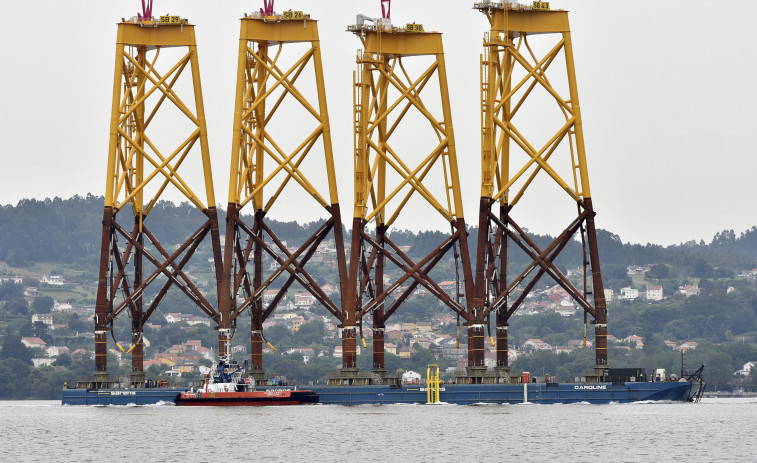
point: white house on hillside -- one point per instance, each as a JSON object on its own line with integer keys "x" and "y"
{"x": 32, "y": 342}
{"x": 535, "y": 344}
{"x": 54, "y": 280}
{"x": 568, "y": 311}
{"x": 270, "y": 294}
{"x": 47, "y": 319}
{"x": 304, "y": 299}
{"x": 689, "y": 290}
{"x": 629, "y": 294}
{"x": 654, "y": 293}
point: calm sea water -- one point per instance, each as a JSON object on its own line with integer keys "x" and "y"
{"x": 715, "y": 430}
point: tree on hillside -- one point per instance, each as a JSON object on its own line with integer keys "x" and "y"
{"x": 309, "y": 333}
{"x": 402, "y": 237}
{"x": 79, "y": 324}
{"x": 724, "y": 238}
{"x": 422, "y": 358}
{"x": 41, "y": 330}
{"x": 13, "y": 348}
{"x": 17, "y": 257}
{"x": 703, "y": 269}
{"x": 10, "y": 290}
{"x": 279, "y": 336}
{"x": 12, "y": 373}
{"x": 43, "y": 304}
{"x": 63, "y": 360}
{"x": 658, "y": 271}
{"x": 16, "y": 306}
{"x": 425, "y": 242}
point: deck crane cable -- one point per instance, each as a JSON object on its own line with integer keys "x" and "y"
{"x": 118, "y": 344}
{"x": 113, "y": 336}
{"x": 489, "y": 324}
{"x": 128, "y": 312}
{"x": 456, "y": 258}
{"x": 489, "y": 287}
{"x": 362, "y": 338}
{"x": 110, "y": 261}
{"x": 457, "y": 340}
{"x": 585, "y": 265}
{"x": 488, "y": 290}
{"x": 501, "y": 270}
{"x": 270, "y": 346}
{"x": 368, "y": 289}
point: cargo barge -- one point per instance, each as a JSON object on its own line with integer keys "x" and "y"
{"x": 604, "y": 392}
{"x": 537, "y": 393}
{"x": 462, "y": 394}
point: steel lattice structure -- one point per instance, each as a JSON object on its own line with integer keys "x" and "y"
{"x": 384, "y": 95}
{"x": 507, "y": 175}
{"x": 262, "y": 171}
{"x": 139, "y": 173}
{"x": 387, "y": 92}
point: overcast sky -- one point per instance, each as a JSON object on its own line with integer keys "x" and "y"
{"x": 667, "y": 96}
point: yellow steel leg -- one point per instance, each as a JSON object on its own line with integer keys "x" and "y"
{"x": 262, "y": 171}
{"x": 508, "y": 53}
{"x": 137, "y": 178}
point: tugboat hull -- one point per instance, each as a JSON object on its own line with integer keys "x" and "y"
{"x": 247, "y": 399}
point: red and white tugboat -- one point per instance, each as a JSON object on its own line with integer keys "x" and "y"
{"x": 226, "y": 386}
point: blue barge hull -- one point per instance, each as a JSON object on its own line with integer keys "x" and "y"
{"x": 539, "y": 393}
{"x": 136, "y": 396}
{"x": 462, "y": 394}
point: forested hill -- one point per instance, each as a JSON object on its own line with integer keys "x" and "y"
{"x": 68, "y": 230}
